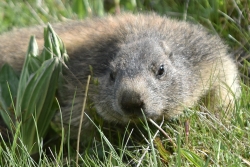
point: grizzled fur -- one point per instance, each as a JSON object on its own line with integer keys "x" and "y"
{"x": 142, "y": 62}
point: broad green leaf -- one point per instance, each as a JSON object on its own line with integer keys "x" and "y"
{"x": 192, "y": 157}
{"x": 37, "y": 101}
{"x": 39, "y": 79}
{"x": 26, "y": 72}
{"x": 8, "y": 91}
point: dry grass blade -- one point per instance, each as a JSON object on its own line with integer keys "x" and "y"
{"x": 82, "y": 115}
{"x": 169, "y": 138}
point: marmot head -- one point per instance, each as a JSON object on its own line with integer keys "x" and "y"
{"x": 141, "y": 78}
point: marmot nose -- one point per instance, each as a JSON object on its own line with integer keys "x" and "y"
{"x": 131, "y": 103}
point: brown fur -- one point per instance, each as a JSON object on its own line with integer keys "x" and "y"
{"x": 126, "y": 53}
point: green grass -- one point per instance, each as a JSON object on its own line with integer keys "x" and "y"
{"x": 202, "y": 141}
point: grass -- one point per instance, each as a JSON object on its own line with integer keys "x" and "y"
{"x": 196, "y": 138}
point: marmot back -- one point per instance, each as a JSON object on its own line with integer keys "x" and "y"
{"x": 142, "y": 62}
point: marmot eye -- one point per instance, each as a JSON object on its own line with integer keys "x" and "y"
{"x": 161, "y": 70}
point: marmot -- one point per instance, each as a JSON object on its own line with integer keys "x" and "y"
{"x": 143, "y": 62}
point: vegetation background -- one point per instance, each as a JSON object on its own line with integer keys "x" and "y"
{"x": 205, "y": 141}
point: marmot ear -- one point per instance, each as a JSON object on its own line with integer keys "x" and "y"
{"x": 166, "y": 49}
